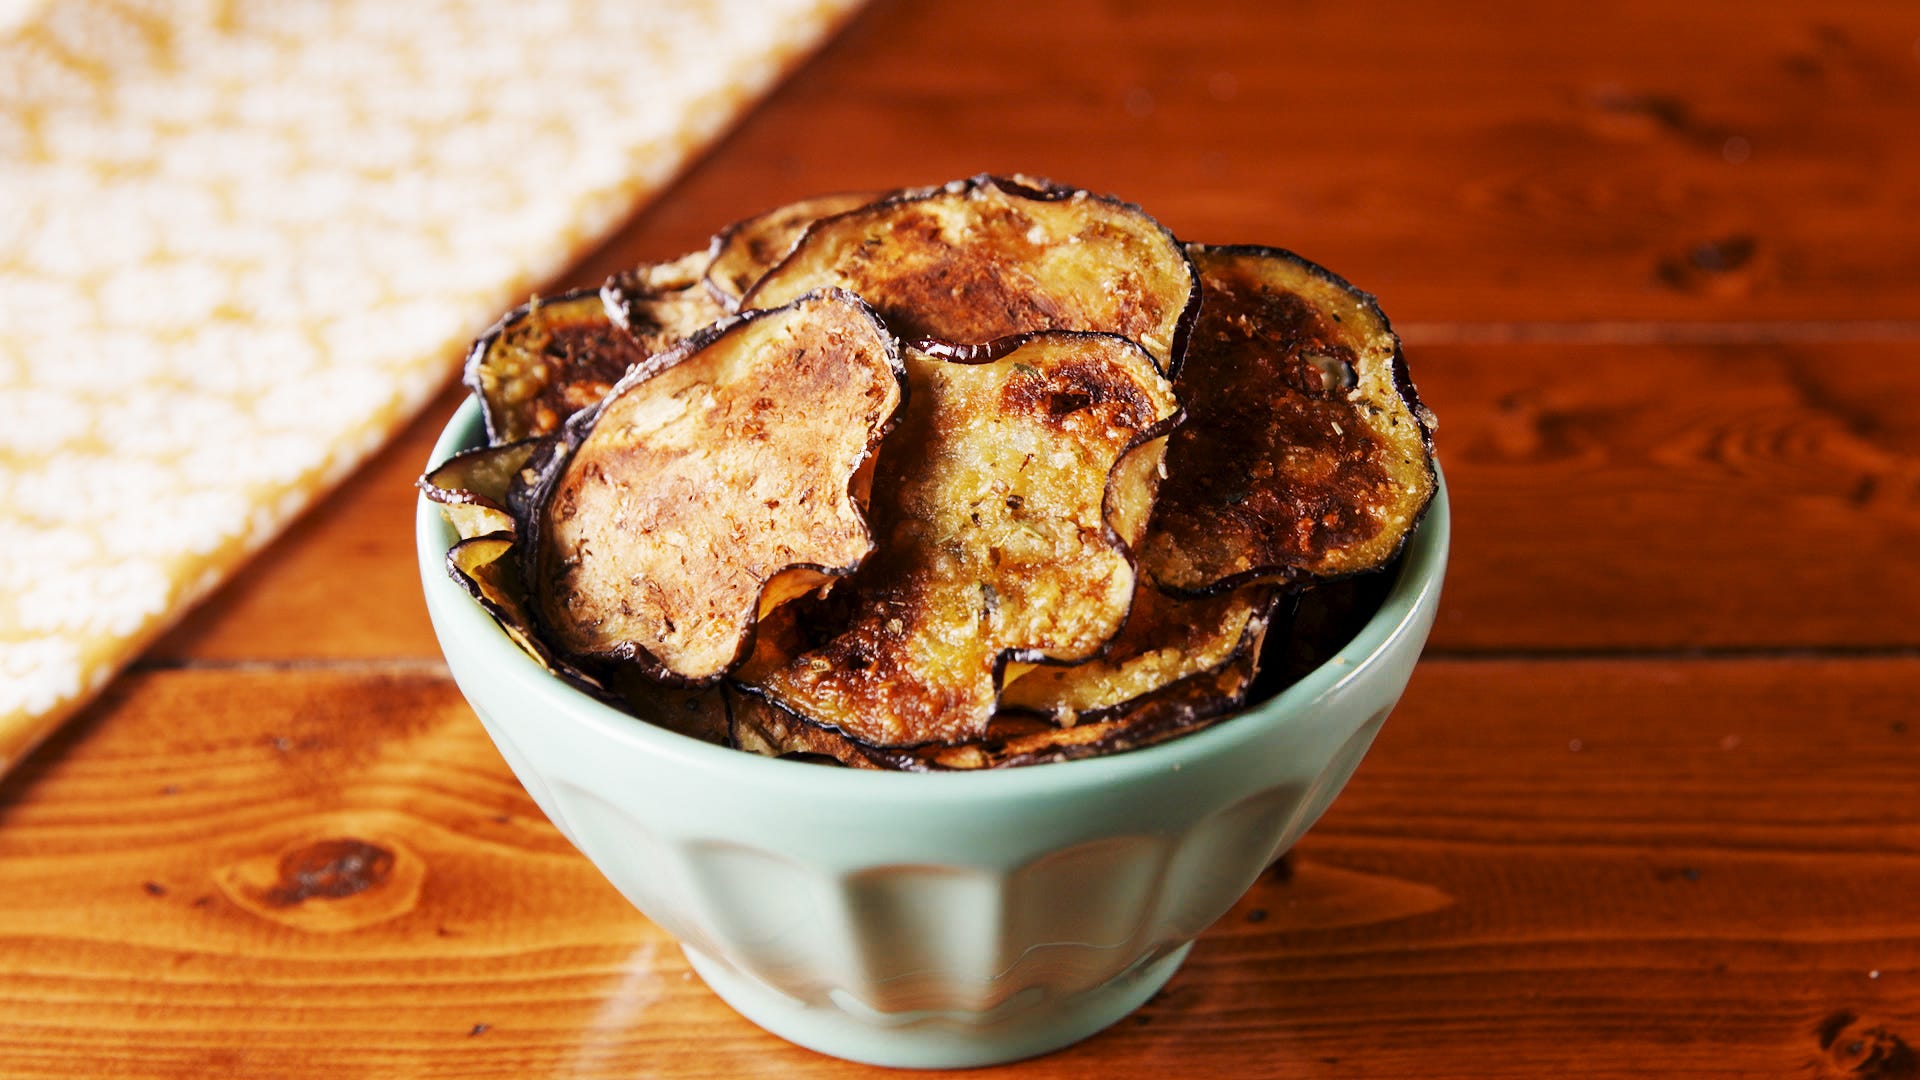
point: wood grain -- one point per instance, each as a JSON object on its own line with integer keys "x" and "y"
{"x": 1597, "y": 867}
{"x": 1605, "y": 497}
{"x": 1495, "y": 181}
{"x": 1540, "y": 162}
{"x": 1647, "y": 809}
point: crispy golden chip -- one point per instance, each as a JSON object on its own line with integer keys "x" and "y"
{"x": 663, "y": 304}
{"x": 1192, "y": 703}
{"x": 980, "y": 259}
{"x": 1012, "y": 739}
{"x": 711, "y": 485}
{"x": 996, "y": 541}
{"x": 1166, "y": 639}
{"x": 1306, "y": 453}
{"x": 746, "y": 250}
{"x": 471, "y": 488}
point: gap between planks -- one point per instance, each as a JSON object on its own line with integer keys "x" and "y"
{"x": 1709, "y": 653}
{"x": 1659, "y": 332}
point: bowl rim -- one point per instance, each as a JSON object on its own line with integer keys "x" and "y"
{"x": 454, "y": 614}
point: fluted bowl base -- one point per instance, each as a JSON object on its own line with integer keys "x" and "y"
{"x": 937, "y": 1040}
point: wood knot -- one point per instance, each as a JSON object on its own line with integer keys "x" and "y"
{"x": 1617, "y": 112}
{"x": 327, "y": 884}
{"x": 332, "y": 869}
{"x": 1722, "y": 265}
{"x": 1854, "y": 1047}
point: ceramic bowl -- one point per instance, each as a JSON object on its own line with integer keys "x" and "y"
{"x": 932, "y": 920}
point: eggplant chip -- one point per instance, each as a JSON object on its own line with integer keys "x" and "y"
{"x": 981, "y": 259}
{"x": 746, "y": 250}
{"x": 662, "y": 304}
{"x": 1188, "y": 705}
{"x": 991, "y": 504}
{"x": 485, "y": 567}
{"x": 1307, "y": 454}
{"x": 710, "y": 486}
{"x": 471, "y": 488}
{"x": 758, "y": 726}
{"x": 1166, "y": 639}
{"x": 545, "y": 361}
{"x": 1012, "y": 738}
{"x": 551, "y": 358}
{"x": 701, "y": 713}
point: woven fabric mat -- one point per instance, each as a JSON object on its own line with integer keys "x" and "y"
{"x": 241, "y": 243}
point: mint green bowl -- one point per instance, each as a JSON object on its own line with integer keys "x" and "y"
{"x": 932, "y": 920}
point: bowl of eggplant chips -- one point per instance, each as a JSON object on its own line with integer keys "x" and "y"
{"x": 935, "y": 609}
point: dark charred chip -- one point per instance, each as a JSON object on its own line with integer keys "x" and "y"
{"x": 746, "y": 250}
{"x": 1306, "y": 453}
{"x": 1166, "y": 639}
{"x": 980, "y": 259}
{"x": 471, "y": 488}
{"x": 991, "y": 505}
{"x": 701, "y": 713}
{"x": 1319, "y": 622}
{"x": 711, "y": 486}
{"x": 662, "y": 304}
{"x": 551, "y": 358}
{"x": 545, "y": 361}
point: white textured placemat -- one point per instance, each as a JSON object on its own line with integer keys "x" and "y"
{"x": 241, "y": 242}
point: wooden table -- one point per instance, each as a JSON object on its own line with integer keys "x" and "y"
{"x": 1649, "y": 807}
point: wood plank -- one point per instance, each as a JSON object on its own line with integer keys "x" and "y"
{"x": 1602, "y": 868}
{"x": 1645, "y": 160}
{"x": 1606, "y": 497}
{"x": 1678, "y": 498}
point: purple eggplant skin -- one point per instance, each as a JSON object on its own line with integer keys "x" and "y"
{"x": 538, "y": 480}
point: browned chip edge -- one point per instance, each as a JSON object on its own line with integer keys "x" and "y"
{"x": 723, "y": 240}
{"x": 621, "y": 289}
{"x": 1035, "y": 189}
{"x": 450, "y": 496}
